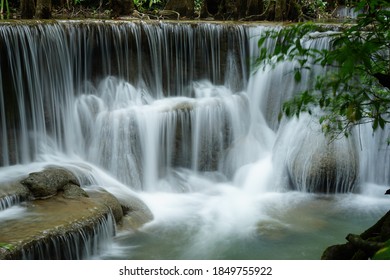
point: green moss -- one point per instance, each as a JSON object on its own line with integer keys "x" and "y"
{"x": 7, "y": 246}
{"x": 384, "y": 253}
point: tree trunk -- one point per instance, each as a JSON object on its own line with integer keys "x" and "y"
{"x": 210, "y": 8}
{"x": 27, "y": 9}
{"x": 185, "y": 8}
{"x": 121, "y": 7}
{"x": 254, "y": 8}
{"x": 224, "y": 9}
{"x": 280, "y": 10}
{"x": 43, "y": 9}
{"x": 273, "y": 10}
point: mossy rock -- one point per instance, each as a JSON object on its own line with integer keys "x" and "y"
{"x": 384, "y": 253}
{"x": 48, "y": 182}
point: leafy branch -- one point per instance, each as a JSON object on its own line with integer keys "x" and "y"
{"x": 353, "y": 87}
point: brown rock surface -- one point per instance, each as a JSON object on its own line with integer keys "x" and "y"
{"x": 45, "y": 220}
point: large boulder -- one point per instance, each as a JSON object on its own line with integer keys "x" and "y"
{"x": 47, "y": 183}
{"x": 311, "y": 162}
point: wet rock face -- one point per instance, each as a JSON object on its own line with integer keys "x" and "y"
{"x": 330, "y": 169}
{"x": 313, "y": 163}
{"x": 49, "y": 182}
{"x": 136, "y": 213}
{"x": 12, "y": 193}
{"x": 63, "y": 228}
{"x": 62, "y": 220}
{"x": 111, "y": 202}
{"x": 57, "y": 228}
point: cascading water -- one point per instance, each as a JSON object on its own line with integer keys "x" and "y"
{"x": 169, "y": 112}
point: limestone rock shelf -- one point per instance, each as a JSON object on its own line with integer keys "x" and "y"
{"x": 66, "y": 225}
{"x": 57, "y": 228}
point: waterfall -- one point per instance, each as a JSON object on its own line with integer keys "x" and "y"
{"x": 79, "y": 244}
{"x": 176, "y": 113}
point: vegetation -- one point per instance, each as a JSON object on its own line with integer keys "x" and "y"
{"x": 281, "y": 10}
{"x": 354, "y": 89}
{"x": 384, "y": 253}
{"x": 148, "y": 4}
{"x": 4, "y": 4}
{"x": 7, "y": 246}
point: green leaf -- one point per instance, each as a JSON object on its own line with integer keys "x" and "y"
{"x": 261, "y": 41}
{"x": 287, "y": 110}
{"x": 299, "y": 46}
{"x": 7, "y": 246}
{"x": 346, "y": 90}
{"x": 297, "y": 76}
{"x": 375, "y": 124}
{"x": 302, "y": 63}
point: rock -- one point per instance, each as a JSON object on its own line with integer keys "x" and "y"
{"x": 110, "y": 201}
{"x": 136, "y": 213}
{"x": 129, "y": 214}
{"x": 339, "y": 252}
{"x": 73, "y": 191}
{"x": 63, "y": 228}
{"x": 326, "y": 169}
{"x": 47, "y": 183}
{"x": 311, "y": 162}
{"x": 58, "y": 228}
{"x": 380, "y": 230}
{"x": 12, "y": 193}
{"x": 363, "y": 246}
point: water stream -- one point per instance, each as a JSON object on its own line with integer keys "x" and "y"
{"x": 173, "y": 114}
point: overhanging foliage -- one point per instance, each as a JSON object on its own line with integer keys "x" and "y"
{"x": 354, "y": 86}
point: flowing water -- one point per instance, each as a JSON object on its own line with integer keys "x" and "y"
{"x": 175, "y": 115}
